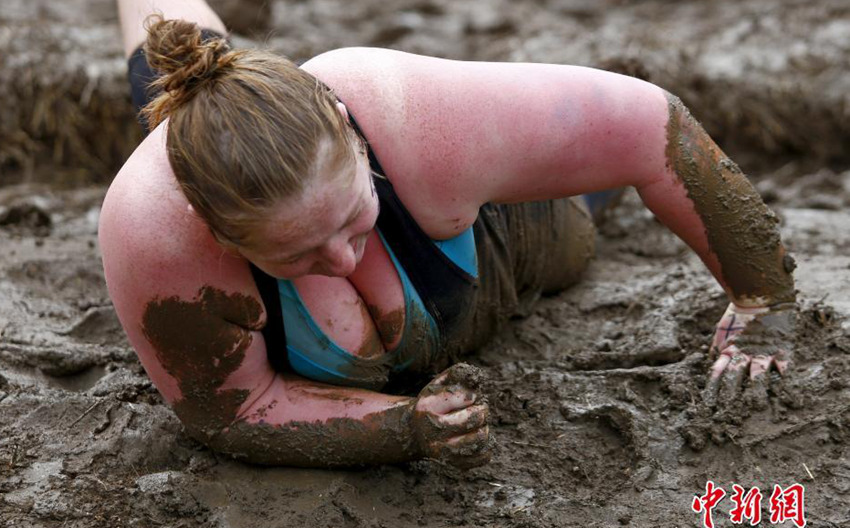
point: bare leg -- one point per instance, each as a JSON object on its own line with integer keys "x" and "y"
{"x": 134, "y": 12}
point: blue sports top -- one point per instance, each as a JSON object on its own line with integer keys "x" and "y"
{"x": 314, "y": 355}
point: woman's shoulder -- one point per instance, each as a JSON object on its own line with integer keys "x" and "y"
{"x": 352, "y": 59}
{"x": 391, "y": 94}
{"x": 144, "y": 200}
{"x": 149, "y": 239}
{"x": 158, "y": 256}
{"x": 362, "y": 77}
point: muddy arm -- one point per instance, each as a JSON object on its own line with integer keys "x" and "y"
{"x": 706, "y": 199}
{"x": 294, "y": 421}
{"x": 228, "y": 396}
{"x": 209, "y": 361}
{"x": 297, "y": 422}
{"x": 542, "y": 131}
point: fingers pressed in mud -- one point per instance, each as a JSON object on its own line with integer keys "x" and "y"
{"x": 748, "y": 344}
{"x": 450, "y": 420}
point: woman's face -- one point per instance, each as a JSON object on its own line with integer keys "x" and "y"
{"x": 323, "y": 231}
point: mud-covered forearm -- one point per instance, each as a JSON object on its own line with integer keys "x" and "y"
{"x": 298, "y": 422}
{"x": 741, "y": 230}
{"x": 447, "y": 421}
{"x": 382, "y": 437}
{"x": 209, "y": 347}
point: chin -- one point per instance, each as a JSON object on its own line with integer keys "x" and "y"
{"x": 334, "y": 275}
{"x": 326, "y": 273}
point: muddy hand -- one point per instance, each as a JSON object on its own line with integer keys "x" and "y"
{"x": 748, "y": 344}
{"x": 450, "y": 419}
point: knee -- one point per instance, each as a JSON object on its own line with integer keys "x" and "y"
{"x": 577, "y": 245}
{"x": 582, "y": 236}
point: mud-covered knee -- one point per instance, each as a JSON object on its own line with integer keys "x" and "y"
{"x": 577, "y": 247}
{"x": 583, "y": 237}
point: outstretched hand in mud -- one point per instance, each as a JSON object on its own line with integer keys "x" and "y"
{"x": 748, "y": 344}
{"x": 450, "y": 418}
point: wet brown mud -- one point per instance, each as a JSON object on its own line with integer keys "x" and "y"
{"x": 742, "y": 232}
{"x": 595, "y": 395}
{"x": 200, "y": 351}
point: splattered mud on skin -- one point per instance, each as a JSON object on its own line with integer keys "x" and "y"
{"x": 398, "y": 434}
{"x": 365, "y": 373}
{"x": 420, "y": 359}
{"x": 741, "y": 230}
{"x": 368, "y": 367}
{"x": 385, "y": 437}
{"x": 372, "y": 347}
{"x": 389, "y": 325}
{"x": 201, "y": 351}
{"x": 328, "y": 393}
{"x": 201, "y": 360}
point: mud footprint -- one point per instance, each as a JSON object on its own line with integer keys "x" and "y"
{"x": 608, "y": 443}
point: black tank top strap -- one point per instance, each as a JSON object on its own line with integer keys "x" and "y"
{"x": 445, "y": 288}
{"x": 274, "y": 332}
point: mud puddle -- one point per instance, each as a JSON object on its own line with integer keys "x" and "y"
{"x": 595, "y": 396}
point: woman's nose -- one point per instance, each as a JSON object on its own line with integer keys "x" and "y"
{"x": 340, "y": 257}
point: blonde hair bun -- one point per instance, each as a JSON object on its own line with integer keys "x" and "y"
{"x": 247, "y": 128}
{"x": 175, "y": 49}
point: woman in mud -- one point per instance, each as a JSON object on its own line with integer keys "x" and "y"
{"x": 280, "y": 284}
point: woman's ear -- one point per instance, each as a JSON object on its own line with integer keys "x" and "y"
{"x": 340, "y": 107}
